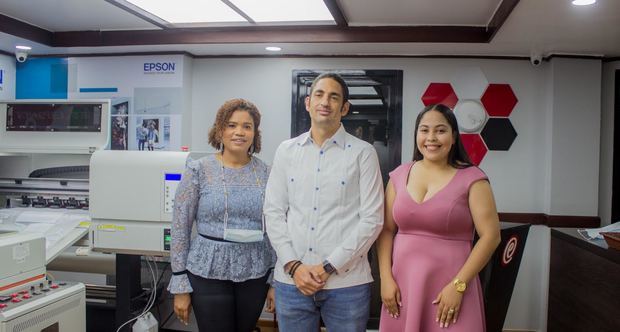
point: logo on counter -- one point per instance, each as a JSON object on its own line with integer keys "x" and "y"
{"x": 510, "y": 250}
{"x": 159, "y": 67}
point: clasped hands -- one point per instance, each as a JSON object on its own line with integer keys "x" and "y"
{"x": 309, "y": 279}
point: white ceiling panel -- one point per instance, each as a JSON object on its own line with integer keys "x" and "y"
{"x": 418, "y": 12}
{"x": 72, "y": 15}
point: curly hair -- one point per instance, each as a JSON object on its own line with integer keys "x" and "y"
{"x": 224, "y": 114}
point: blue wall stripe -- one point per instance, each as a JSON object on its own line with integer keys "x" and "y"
{"x": 98, "y": 89}
{"x": 42, "y": 78}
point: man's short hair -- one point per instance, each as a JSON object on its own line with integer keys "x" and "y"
{"x": 335, "y": 77}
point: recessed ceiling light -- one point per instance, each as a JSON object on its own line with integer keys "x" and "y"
{"x": 273, "y": 48}
{"x": 21, "y": 47}
{"x": 583, "y": 2}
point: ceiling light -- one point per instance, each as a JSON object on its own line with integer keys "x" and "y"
{"x": 583, "y": 2}
{"x": 287, "y": 10}
{"x": 21, "y": 47}
{"x": 189, "y": 11}
{"x": 362, "y": 90}
{"x": 366, "y": 102}
{"x": 273, "y": 48}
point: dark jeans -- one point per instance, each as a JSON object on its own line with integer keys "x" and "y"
{"x": 227, "y": 306}
{"x": 141, "y": 143}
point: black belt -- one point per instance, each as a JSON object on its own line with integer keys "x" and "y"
{"x": 218, "y": 239}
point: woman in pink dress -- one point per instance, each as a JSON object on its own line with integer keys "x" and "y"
{"x": 429, "y": 269}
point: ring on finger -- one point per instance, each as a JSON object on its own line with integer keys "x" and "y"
{"x": 451, "y": 311}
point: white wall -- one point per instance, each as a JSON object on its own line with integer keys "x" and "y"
{"x": 549, "y": 102}
{"x": 575, "y": 127}
{"x": 607, "y": 141}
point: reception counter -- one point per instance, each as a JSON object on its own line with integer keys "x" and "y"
{"x": 584, "y": 285}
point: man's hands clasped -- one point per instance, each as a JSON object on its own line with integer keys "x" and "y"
{"x": 309, "y": 279}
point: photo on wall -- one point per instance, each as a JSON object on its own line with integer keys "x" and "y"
{"x": 152, "y": 133}
{"x": 119, "y": 135}
{"x": 119, "y": 124}
{"x": 121, "y": 108}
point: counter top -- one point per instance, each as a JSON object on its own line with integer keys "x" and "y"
{"x": 597, "y": 247}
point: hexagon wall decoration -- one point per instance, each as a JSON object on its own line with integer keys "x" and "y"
{"x": 439, "y": 93}
{"x": 483, "y": 123}
{"x": 499, "y": 134}
{"x": 476, "y": 149}
{"x": 499, "y": 100}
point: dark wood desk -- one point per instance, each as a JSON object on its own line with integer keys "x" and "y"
{"x": 584, "y": 284}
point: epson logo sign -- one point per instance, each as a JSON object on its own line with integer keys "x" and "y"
{"x": 159, "y": 67}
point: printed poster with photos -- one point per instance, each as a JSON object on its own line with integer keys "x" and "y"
{"x": 147, "y": 121}
{"x": 146, "y": 103}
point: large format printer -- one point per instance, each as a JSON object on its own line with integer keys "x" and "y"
{"x": 41, "y": 213}
{"x": 128, "y": 194}
{"x": 29, "y": 301}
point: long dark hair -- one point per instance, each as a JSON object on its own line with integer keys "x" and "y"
{"x": 457, "y": 157}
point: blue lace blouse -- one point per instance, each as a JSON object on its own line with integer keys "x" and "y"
{"x": 199, "y": 199}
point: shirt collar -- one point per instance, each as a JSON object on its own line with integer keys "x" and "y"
{"x": 337, "y": 139}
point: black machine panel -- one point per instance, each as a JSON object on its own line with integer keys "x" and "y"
{"x": 54, "y": 117}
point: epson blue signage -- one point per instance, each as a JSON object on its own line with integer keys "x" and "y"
{"x": 159, "y": 67}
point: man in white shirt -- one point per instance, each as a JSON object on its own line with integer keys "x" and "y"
{"x": 324, "y": 210}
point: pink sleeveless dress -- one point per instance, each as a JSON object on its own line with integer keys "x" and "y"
{"x": 433, "y": 242}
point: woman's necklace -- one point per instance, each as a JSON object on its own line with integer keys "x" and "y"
{"x": 258, "y": 184}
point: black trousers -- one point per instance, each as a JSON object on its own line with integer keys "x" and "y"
{"x": 227, "y": 306}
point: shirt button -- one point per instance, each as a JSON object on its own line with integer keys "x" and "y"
{"x": 310, "y": 249}
{"x": 342, "y": 182}
{"x": 318, "y": 169}
{"x": 349, "y": 145}
{"x": 321, "y": 152}
{"x": 314, "y": 208}
{"x": 335, "y": 142}
{"x": 317, "y": 188}
{"x": 292, "y": 180}
{"x": 312, "y": 228}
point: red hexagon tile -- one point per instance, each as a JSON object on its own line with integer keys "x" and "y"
{"x": 475, "y": 147}
{"x": 499, "y": 100}
{"x": 440, "y": 93}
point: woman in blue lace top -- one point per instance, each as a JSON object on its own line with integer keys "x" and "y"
{"x": 223, "y": 272}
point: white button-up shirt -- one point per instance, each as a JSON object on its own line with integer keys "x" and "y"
{"x": 325, "y": 203}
